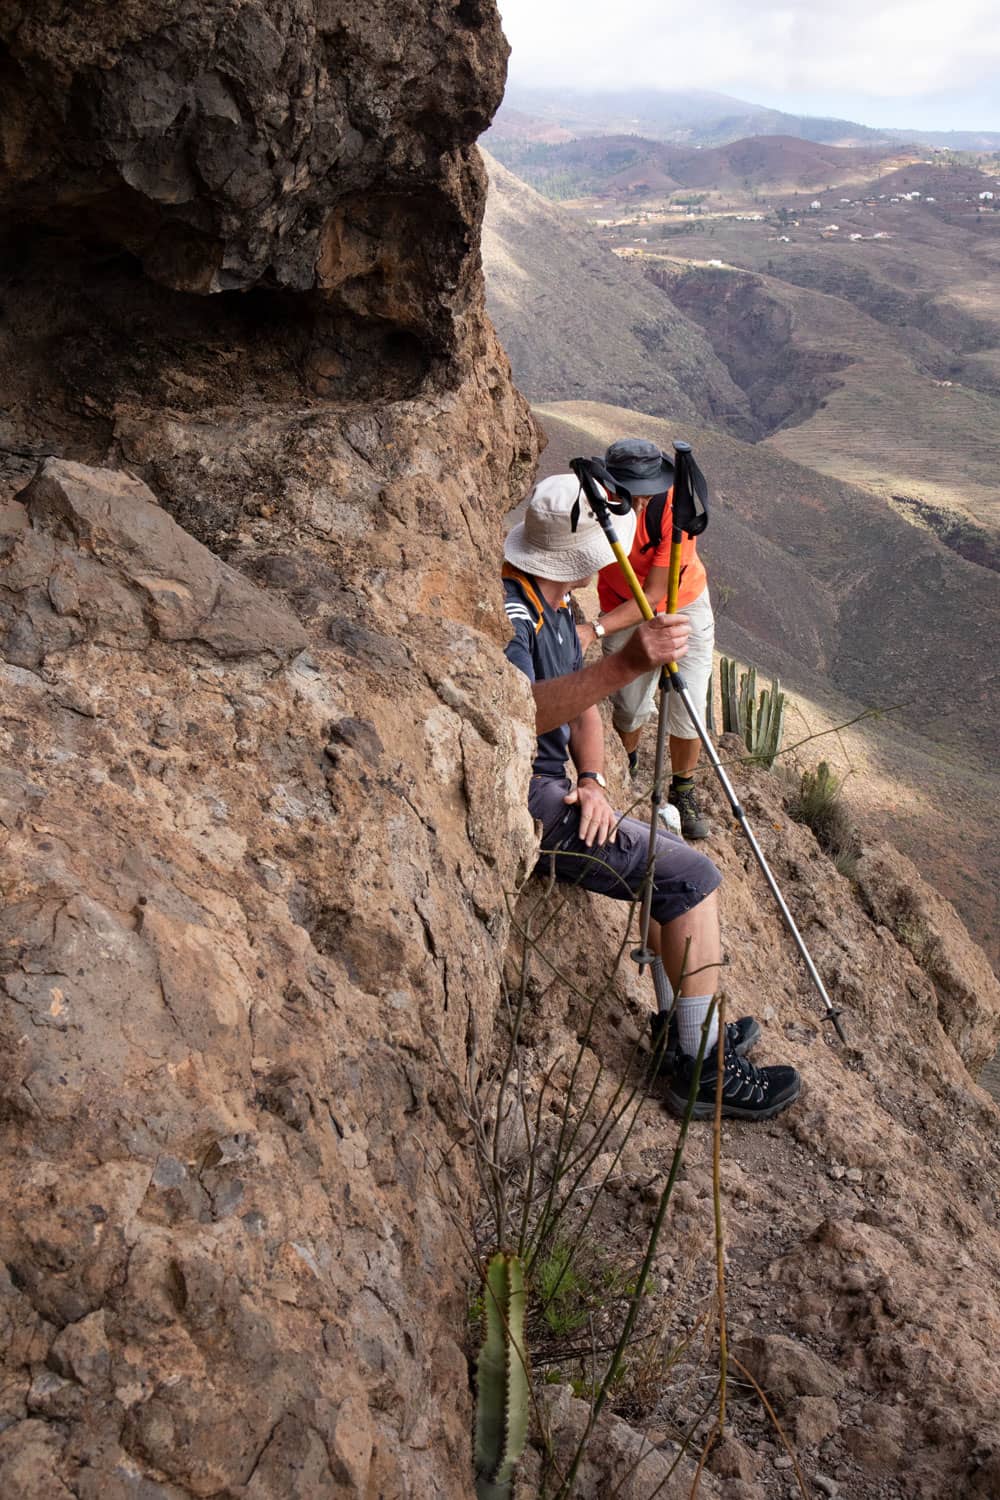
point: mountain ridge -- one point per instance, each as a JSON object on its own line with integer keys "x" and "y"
{"x": 707, "y": 118}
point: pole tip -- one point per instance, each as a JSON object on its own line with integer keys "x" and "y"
{"x": 834, "y": 1017}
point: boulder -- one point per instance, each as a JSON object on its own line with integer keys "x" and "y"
{"x": 100, "y": 561}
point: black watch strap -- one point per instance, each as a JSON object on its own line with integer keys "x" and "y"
{"x": 592, "y": 776}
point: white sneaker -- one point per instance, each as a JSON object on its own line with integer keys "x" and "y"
{"x": 670, "y": 817}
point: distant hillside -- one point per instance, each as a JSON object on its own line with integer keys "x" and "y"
{"x": 519, "y": 126}
{"x": 701, "y": 118}
{"x": 619, "y": 165}
{"x": 868, "y": 344}
{"x": 578, "y": 322}
{"x": 694, "y": 117}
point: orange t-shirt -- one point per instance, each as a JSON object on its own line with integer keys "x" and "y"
{"x": 612, "y": 587}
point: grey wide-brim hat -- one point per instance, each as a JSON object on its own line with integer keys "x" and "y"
{"x": 545, "y": 544}
{"x": 639, "y": 467}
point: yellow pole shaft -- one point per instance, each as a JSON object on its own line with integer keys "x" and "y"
{"x": 674, "y": 585}
{"x": 636, "y": 586}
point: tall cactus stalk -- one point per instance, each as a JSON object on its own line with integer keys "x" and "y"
{"x": 730, "y": 697}
{"x": 758, "y": 720}
{"x": 770, "y": 725}
{"x": 748, "y": 704}
{"x": 502, "y": 1380}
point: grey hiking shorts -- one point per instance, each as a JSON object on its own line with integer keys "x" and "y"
{"x": 636, "y": 703}
{"x": 682, "y": 879}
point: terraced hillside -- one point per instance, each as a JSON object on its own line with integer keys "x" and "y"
{"x": 624, "y": 165}
{"x": 891, "y": 420}
{"x": 855, "y": 608}
{"x": 578, "y": 322}
{"x": 907, "y": 313}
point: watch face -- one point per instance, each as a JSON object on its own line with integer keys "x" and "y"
{"x": 593, "y": 776}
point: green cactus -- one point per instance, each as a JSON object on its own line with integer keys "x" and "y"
{"x": 502, "y": 1380}
{"x": 758, "y": 720}
{"x": 730, "y": 698}
{"x": 769, "y": 726}
{"x": 748, "y": 705}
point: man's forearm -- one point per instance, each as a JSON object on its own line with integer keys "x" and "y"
{"x": 564, "y": 699}
{"x": 628, "y": 613}
{"x": 586, "y": 741}
{"x": 622, "y": 616}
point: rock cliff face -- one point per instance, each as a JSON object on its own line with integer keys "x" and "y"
{"x": 253, "y": 875}
{"x": 257, "y": 815}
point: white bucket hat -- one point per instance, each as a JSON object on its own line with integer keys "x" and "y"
{"x": 545, "y": 544}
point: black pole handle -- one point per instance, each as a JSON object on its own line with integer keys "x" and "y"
{"x": 598, "y": 485}
{"x": 690, "y": 504}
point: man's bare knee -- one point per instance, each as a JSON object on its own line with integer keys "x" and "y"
{"x": 689, "y": 946}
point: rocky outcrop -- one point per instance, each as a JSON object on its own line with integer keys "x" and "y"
{"x": 299, "y": 143}
{"x": 309, "y": 166}
{"x": 257, "y": 815}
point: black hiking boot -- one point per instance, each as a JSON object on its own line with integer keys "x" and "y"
{"x": 741, "y": 1036}
{"x": 633, "y": 764}
{"x": 694, "y": 824}
{"x": 748, "y": 1093}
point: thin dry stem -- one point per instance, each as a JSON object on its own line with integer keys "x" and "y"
{"x": 777, "y": 1425}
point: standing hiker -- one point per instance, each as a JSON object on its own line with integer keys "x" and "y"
{"x": 583, "y": 838}
{"x": 641, "y": 469}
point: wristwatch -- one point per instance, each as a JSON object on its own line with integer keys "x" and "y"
{"x": 592, "y": 776}
{"x": 598, "y": 629}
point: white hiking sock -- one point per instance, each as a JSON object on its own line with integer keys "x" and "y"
{"x": 691, "y": 1013}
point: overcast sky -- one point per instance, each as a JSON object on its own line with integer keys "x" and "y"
{"x": 920, "y": 63}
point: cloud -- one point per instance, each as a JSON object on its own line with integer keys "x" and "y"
{"x": 886, "y": 48}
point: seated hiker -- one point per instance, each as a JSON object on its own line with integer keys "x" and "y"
{"x": 582, "y": 834}
{"x": 640, "y": 468}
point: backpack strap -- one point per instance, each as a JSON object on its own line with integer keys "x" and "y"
{"x": 526, "y": 583}
{"x": 654, "y": 522}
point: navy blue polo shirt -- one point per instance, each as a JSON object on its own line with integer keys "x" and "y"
{"x": 544, "y": 645}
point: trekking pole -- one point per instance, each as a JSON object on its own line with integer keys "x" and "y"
{"x": 690, "y": 514}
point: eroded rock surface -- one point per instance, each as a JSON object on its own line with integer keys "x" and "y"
{"x": 228, "y": 144}
{"x": 250, "y": 890}
{"x": 93, "y": 558}
{"x": 216, "y": 211}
